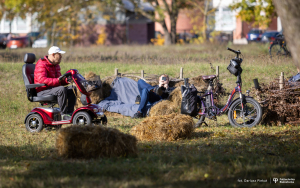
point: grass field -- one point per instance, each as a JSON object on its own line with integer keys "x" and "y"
{"x": 216, "y": 156}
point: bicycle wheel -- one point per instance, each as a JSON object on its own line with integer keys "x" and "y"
{"x": 250, "y": 117}
{"x": 200, "y": 121}
{"x": 276, "y": 50}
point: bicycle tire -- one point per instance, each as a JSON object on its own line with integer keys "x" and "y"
{"x": 201, "y": 120}
{"x": 253, "y": 120}
{"x": 276, "y": 50}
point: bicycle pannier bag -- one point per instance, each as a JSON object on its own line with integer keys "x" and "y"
{"x": 189, "y": 100}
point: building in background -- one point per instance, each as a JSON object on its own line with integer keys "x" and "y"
{"x": 19, "y": 26}
{"x": 227, "y": 22}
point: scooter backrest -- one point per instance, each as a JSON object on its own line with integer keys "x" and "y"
{"x": 29, "y": 58}
{"x": 28, "y": 68}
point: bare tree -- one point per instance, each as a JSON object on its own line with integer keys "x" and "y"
{"x": 288, "y": 11}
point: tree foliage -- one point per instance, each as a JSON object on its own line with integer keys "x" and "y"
{"x": 258, "y": 12}
{"x": 61, "y": 19}
{"x": 199, "y": 16}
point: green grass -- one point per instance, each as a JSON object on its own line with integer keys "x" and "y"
{"x": 215, "y": 156}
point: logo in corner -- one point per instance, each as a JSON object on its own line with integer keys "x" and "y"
{"x": 275, "y": 180}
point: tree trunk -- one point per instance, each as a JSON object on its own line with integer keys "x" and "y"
{"x": 288, "y": 11}
{"x": 168, "y": 39}
{"x": 204, "y": 27}
{"x": 53, "y": 33}
{"x": 173, "y": 19}
{"x": 10, "y": 27}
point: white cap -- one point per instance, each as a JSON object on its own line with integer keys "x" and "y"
{"x": 55, "y": 49}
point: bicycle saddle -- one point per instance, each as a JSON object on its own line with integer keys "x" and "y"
{"x": 209, "y": 77}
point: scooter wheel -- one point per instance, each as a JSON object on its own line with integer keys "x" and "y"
{"x": 82, "y": 118}
{"x": 34, "y": 123}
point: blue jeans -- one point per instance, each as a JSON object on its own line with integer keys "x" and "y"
{"x": 146, "y": 95}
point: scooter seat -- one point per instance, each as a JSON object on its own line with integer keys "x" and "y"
{"x": 45, "y": 98}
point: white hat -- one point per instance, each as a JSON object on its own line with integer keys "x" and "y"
{"x": 55, "y": 49}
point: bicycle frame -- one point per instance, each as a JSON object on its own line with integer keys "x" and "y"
{"x": 237, "y": 89}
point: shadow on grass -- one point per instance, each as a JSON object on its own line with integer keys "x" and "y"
{"x": 165, "y": 164}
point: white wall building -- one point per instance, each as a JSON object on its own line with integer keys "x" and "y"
{"x": 225, "y": 19}
{"x": 19, "y": 25}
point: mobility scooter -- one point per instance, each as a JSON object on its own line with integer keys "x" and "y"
{"x": 50, "y": 116}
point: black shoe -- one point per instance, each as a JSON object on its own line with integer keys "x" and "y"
{"x": 138, "y": 115}
{"x": 138, "y": 99}
{"x": 66, "y": 117}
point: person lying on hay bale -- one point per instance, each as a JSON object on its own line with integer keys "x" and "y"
{"x": 152, "y": 94}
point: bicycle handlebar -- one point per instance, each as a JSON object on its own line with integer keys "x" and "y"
{"x": 237, "y": 52}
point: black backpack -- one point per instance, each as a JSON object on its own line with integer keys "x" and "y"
{"x": 189, "y": 99}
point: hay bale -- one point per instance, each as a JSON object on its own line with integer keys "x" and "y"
{"x": 165, "y": 107}
{"x": 99, "y": 94}
{"x": 164, "y": 128}
{"x": 94, "y": 141}
{"x": 106, "y": 85}
{"x": 198, "y": 82}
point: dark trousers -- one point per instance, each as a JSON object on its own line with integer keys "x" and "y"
{"x": 147, "y": 95}
{"x": 65, "y": 97}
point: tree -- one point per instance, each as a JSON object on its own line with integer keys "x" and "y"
{"x": 288, "y": 11}
{"x": 164, "y": 8}
{"x": 260, "y": 12}
{"x": 60, "y": 18}
{"x": 200, "y": 16}
{"x": 11, "y": 9}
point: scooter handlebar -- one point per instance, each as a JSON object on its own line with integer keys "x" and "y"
{"x": 64, "y": 75}
{"x": 234, "y": 51}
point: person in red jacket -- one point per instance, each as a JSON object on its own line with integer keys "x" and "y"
{"x": 47, "y": 71}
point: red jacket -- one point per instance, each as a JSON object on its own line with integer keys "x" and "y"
{"x": 47, "y": 73}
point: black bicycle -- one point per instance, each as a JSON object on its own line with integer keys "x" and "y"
{"x": 278, "y": 47}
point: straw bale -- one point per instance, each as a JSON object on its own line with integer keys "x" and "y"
{"x": 198, "y": 82}
{"x": 96, "y": 96}
{"x": 164, "y": 128}
{"x": 106, "y": 85}
{"x": 94, "y": 141}
{"x": 172, "y": 105}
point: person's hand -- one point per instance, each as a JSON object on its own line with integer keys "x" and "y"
{"x": 161, "y": 83}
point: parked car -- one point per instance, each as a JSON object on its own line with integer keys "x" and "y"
{"x": 40, "y": 43}
{"x": 18, "y": 42}
{"x": 2, "y": 41}
{"x": 254, "y": 35}
{"x": 269, "y": 36}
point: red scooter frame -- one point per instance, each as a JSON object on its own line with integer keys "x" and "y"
{"x": 52, "y": 117}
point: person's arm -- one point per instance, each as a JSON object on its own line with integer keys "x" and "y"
{"x": 41, "y": 74}
{"x": 63, "y": 82}
{"x": 167, "y": 92}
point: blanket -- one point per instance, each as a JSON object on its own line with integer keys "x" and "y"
{"x": 122, "y": 98}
